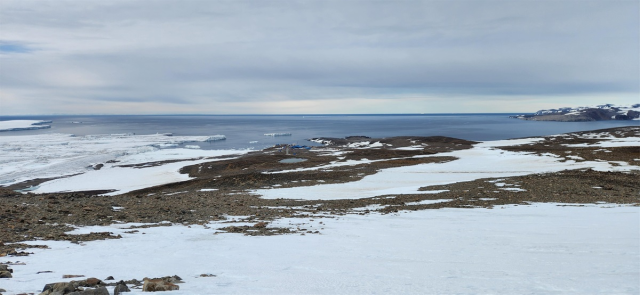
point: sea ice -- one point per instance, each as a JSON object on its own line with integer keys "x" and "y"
{"x": 28, "y": 157}
{"x": 15, "y": 125}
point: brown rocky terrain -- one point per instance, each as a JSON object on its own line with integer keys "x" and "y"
{"x": 48, "y": 216}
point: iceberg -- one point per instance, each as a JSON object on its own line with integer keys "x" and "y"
{"x": 215, "y": 138}
{"x": 277, "y": 134}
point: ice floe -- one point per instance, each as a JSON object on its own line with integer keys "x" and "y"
{"x": 16, "y": 125}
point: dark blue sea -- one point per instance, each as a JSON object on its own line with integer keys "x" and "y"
{"x": 242, "y": 130}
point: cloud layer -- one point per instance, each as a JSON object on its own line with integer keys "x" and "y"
{"x": 220, "y": 57}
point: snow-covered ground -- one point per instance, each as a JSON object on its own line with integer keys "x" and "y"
{"x": 15, "y": 125}
{"x": 482, "y": 161}
{"x": 122, "y": 179}
{"x": 28, "y": 157}
{"x": 537, "y": 249}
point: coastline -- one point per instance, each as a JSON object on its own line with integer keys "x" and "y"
{"x": 231, "y": 195}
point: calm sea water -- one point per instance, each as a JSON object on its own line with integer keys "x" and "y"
{"x": 242, "y": 130}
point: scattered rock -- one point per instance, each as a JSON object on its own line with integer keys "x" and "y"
{"x": 109, "y": 278}
{"x": 72, "y": 276}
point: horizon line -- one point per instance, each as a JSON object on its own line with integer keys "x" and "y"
{"x": 341, "y": 114}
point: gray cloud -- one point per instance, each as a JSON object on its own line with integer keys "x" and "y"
{"x": 212, "y": 56}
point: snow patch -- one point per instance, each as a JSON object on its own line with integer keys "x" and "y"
{"x": 540, "y": 248}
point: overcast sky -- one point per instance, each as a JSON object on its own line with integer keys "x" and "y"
{"x": 281, "y": 57}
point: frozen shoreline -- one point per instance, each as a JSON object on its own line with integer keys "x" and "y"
{"x": 29, "y": 157}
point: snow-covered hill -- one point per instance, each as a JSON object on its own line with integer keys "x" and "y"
{"x": 586, "y": 113}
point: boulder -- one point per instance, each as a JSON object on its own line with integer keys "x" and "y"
{"x": 5, "y": 271}
{"x": 4, "y": 267}
{"x": 58, "y": 288}
{"x": 154, "y": 285}
{"x": 120, "y": 288}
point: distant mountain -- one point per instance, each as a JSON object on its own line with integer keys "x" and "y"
{"x": 588, "y": 113}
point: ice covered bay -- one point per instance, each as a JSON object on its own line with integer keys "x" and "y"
{"x": 536, "y": 249}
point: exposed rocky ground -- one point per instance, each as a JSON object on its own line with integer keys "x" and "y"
{"x": 48, "y": 216}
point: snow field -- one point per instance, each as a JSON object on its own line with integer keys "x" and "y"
{"x": 536, "y": 249}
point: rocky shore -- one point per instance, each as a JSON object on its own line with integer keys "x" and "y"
{"x": 224, "y": 188}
